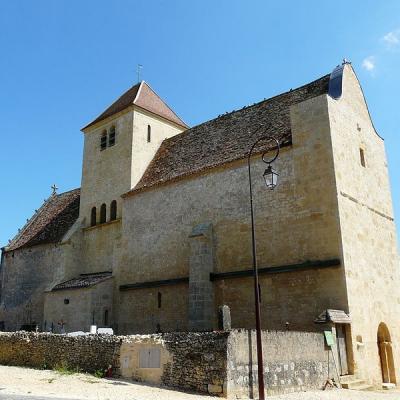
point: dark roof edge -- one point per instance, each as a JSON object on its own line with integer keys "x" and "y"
{"x": 160, "y": 116}
{"x": 197, "y": 172}
{"x": 56, "y": 289}
{"x": 97, "y": 120}
{"x": 31, "y": 221}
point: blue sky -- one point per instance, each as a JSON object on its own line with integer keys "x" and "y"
{"x": 63, "y": 62}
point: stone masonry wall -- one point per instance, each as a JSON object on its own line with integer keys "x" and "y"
{"x": 46, "y": 350}
{"x": 293, "y": 361}
{"x": 221, "y": 363}
{"x": 198, "y": 363}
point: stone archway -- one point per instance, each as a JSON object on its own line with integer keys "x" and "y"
{"x": 386, "y": 354}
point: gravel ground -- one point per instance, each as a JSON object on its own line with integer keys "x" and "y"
{"x": 24, "y": 381}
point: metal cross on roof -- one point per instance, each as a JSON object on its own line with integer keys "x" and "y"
{"x": 55, "y": 188}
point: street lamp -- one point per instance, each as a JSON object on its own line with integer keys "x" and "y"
{"x": 271, "y": 179}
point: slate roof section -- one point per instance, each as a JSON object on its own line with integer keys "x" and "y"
{"x": 50, "y": 223}
{"x": 84, "y": 281}
{"x": 335, "y": 316}
{"x": 141, "y": 95}
{"x": 226, "y": 138}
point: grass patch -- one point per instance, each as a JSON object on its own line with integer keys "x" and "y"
{"x": 99, "y": 373}
{"x": 64, "y": 369}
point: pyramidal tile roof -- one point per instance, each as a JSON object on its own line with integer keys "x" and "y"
{"x": 226, "y": 138}
{"x": 50, "y": 223}
{"x": 141, "y": 95}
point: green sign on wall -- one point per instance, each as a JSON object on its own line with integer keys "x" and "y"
{"x": 329, "y": 338}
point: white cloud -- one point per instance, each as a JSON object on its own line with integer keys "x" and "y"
{"x": 369, "y": 63}
{"x": 392, "y": 39}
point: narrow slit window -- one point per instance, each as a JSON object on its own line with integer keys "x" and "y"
{"x": 362, "y": 157}
{"x": 159, "y": 300}
{"x": 105, "y": 318}
{"x": 103, "y": 140}
{"x": 111, "y": 137}
{"x": 113, "y": 210}
{"x": 93, "y": 217}
{"x": 148, "y": 133}
{"x": 103, "y": 213}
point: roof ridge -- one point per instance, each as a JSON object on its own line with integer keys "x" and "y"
{"x": 148, "y": 85}
{"x": 244, "y": 107}
{"x": 68, "y": 191}
{"x": 53, "y": 206}
{"x": 28, "y": 223}
{"x": 138, "y": 92}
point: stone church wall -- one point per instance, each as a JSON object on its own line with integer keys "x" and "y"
{"x": 295, "y": 223}
{"x": 79, "y": 308}
{"x": 26, "y": 274}
{"x": 370, "y": 254}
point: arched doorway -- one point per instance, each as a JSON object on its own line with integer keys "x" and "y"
{"x": 386, "y": 354}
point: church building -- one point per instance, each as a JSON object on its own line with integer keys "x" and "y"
{"x": 158, "y": 237}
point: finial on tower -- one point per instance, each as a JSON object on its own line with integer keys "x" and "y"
{"x": 54, "y": 188}
{"x": 346, "y": 61}
{"x": 139, "y": 70}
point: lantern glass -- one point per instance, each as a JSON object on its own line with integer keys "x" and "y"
{"x": 270, "y": 177}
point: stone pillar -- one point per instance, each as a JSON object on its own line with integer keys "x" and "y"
{"x": 201, "y": 291}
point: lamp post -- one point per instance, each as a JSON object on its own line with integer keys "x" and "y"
{"x": 271, "y": 179}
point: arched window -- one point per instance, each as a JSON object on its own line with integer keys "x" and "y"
{"x": 111, "y": 137}
{"x": 103, "y": 213}
{"x": 93, "y": 217}
{"x": 103, "y": 140}
{"x": 148, "y": 133}
{"x": 113, "y": 210}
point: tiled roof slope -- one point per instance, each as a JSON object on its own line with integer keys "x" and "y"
{"x": 84, "y": 280}
{"x": 226, "y": 138}
{"x": 143, "y": 96}
{"x": 50, "y": 223}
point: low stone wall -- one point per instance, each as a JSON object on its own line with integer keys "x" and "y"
{"x": 198, "y": 361}
{"x": 222, "y": 363}
{"x": 293, "y": 361}
{"x": 46, "y": 350}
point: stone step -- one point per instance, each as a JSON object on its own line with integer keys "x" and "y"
{"x": 353, "y": 384}
{"x": 347, "y": 378}
{"x": 363, "y": 387}
{"x": 388, "y": 386}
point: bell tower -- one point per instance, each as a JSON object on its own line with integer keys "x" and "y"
{"x": 119, "y": 144}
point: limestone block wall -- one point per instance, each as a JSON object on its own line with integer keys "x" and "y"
{"x": 293, "y": 299}
{"x": 106, "y": 174}
{"x": 142, "y": 150}
{"x": 26, "y": 274}
{"x": 100, "y": 247}
{"x": 296, "y": 222}
{"x": 139, "y": 311}
{"x": 369, "y": 243}
{"x": 79, "y": 308}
